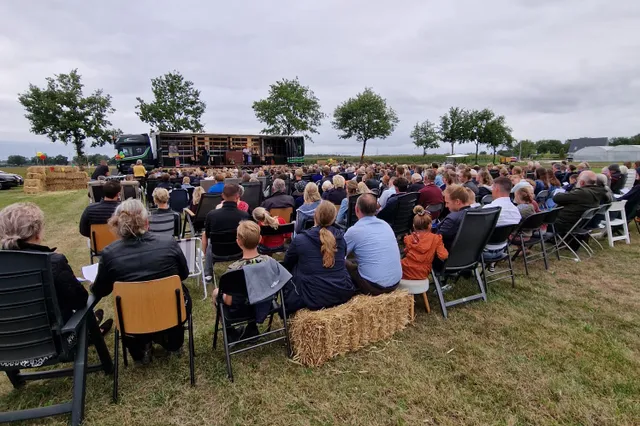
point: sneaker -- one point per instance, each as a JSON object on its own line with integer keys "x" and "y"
{"x": 99, "y": 315}
{"x": 208, "y": 278}
{"x": 492, "y": 267}
{"x": 106, "y": 326}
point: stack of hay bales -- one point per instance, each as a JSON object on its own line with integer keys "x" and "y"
{"x": 317, "y": 336}
{"x": 54, "y": 178}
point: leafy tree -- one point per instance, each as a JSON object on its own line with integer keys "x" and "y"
{"x": 176, "y": 105}
{"x": 60, "y": 160}
{"x": 62, "y": 112}
{"x": 290, "y": 108}
{"x": 477, "y": 123}
{"x": 425, "y": 136}
{"x": 17, "y": 160}
{"x": 365, "y": 117}
{"x": 633, "y": 140}
{"x": 455, "y": 127}
{"x": 552, "y": 146}
{"x": 528, "y": 148}
{"x": 496, "y": 133}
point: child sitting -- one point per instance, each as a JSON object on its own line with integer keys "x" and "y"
{"x": 525, "y": 203}
{"x": 269, "y": 242}
{"x": 421, "y": 246}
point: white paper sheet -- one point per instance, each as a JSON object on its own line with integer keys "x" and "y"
{"x": 90, "y": 272}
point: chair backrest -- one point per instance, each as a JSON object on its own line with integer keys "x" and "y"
{"x": 308, "y": 223}
{"x": 101, "y": 236}
{"x": 501, "y": 234}
{"x": 178, "y": 200}
{"x": 229, "y": 181}
{"x": 149, "y": 306}
{"x": 130, "y": 189}
{"x": 435, "y": 208}
{"x": 487, "y": 199}
{"x": 252, "y": 194}
{"x": 533, "y": 222}
{"x": 162, "y": 223}
{"x": 542, "y": 198}
{"x": 151, "y": 185}
{"x": 189, "y": 247}
{"x": 552, "y": 215}
{"x": 96, "y": 192}
{"x": 233, "y": 283}
{"x": 283, "y": 213}
{"x": 207, "y": 184}
{"x": 29, "y": 313}
{"x": 351, "y": 211}
{"x": 224, "y": 243}
{"x": 403, "y": 217}
{"x": 617, "y": 206}
{"x": 263, "y": 182}
{"x": 208, "y": 202}
{"x": 586, "y": 217}
{"x": 474, "y": 233}
{"x": 282, "y": 229}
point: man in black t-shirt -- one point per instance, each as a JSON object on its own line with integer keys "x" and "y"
{"x": 101, "y": 170}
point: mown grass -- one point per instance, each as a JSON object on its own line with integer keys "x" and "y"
{"x": 563, "y": 347}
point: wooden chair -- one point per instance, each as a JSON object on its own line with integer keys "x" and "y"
{"x": 283, "y": 213}
{"x": 101, "y": 236}
{"x": 146, "y": 307}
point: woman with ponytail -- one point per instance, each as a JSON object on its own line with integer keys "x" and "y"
{"x": 316, "y": 259}
{"x": 270, "y": 242}
{"x": 420, "y": 248}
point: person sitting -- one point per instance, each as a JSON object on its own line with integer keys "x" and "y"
{"x": 163, "y": 220}
{"x": 617, "y": 178}
{"x": 421, "y": 246}
{"x": 371, "y": 182}
{"x": 464, "y": 177}
{"x": 586, "y": 196}
{"x": 525, "y": 204}
{"x": 509, "y": 214}
{"x": 416, "y": 183}
{"x": 337, "y": 193}
{"x": 218, "y": 187}
{"x": 195, "y": 199}
{"x": 186, "y": 183}
{"x": 518, "y": 180}
{"x": 270, "y": 242}
{"x": 363, "y": 188}
{"x": 279, "y": 199}
{"x": 485, "y": 184}
{"x": 248, "y": 239}
{"x": 242, "y": 205}
{"x": 298, "y": 193}
{"x": 221, "y": 220}
{"x": 297, "y": 178}
{"x": 316, "y": 259}
{"x": 457, "y": 200}
{"x": 387, "y": 193}
{"x": 388, "y": 212}
{"x": 352, "y": 189}
{"x": 542, "y": 181}
{"x": 305, "y": 212}
{"x": 141, "y": 256}
{"x": 376, "y": 269}
{"x": 431, "y": 194}
{"x": 165, "y": 182}
{"x": 99, "y": 213}
{"x": 139, "y": 171}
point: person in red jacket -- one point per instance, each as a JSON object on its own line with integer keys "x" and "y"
{"x": 269, "y": 242}
{"x": 421, "y": 246}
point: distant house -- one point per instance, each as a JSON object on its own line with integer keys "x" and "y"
{"x": 576, "y": 144}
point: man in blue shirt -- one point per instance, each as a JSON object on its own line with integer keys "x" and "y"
{"x": 377, "y": 267}
{"x": 219, "y": 186}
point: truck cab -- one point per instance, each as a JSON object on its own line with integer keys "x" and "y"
{"x": 134, "y": 147}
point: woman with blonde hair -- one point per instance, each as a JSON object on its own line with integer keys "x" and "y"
{"x": 352, "y": 189}
{"x": 306, "y": 211}
{"x": 337, "y": 193}
{"x": 195, "y": 199}
{"x": 363, "y": 188}
{"x": 316, "y": 259}
{"x": 269, "y": 243}
{"x": 141, "y": 256}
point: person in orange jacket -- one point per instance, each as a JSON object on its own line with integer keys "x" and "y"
{"x": 421, "y": 246}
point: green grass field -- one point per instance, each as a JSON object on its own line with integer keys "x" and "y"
{"x": 563, "y": 347}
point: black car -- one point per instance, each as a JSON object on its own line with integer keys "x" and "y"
{"x": 9, "y": 180}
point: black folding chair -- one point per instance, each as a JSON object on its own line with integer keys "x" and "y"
{"x": 435, "y": 208}
{"x": 178, "y": 200}
{"x": 130, "y": 190}
{"x": 96, "y": 192}
{"x": 34, "y": 334}
{"x": 152, "y": 184}
{"x": 487, "y": 199}
{"x": 402, "y": 221}
{"x": 351, "y": 211}
{"x": 269, "y": 231}
{"x": 252, "y": 194}
{"x": 233, "y": 283}
{"x": 466, "y": 253}
{"x": 542, "y": 198}
{"x": 578, "y": 232}
{"x": 224, "y": 248}
{"x": 208, "y": 202}
{"x": 532, "y": 225}
{"x": 500, "y": 235}
{"x": 551, "y": 234}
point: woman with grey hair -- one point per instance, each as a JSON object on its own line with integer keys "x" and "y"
{"x": 141, "y": 256}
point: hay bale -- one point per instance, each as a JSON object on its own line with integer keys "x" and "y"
{"x": 39, "y": 176}
{"x": 33, "y": 186}
{"x": 37, "y": 169}
{"x": 317, "y": 336}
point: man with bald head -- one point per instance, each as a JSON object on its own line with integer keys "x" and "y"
{"x": 585, "y": 196}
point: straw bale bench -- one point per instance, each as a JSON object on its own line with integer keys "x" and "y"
{"x": 317, "y": 336}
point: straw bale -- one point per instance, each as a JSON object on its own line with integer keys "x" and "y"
{"x": 34, "y": 183}
{"x": 37, "y": 169}
{"x": 39, "y": 176}
{"x": 317, "y": 336}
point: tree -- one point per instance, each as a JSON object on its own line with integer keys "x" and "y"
{"x": 60, "y": 160}
{"x": 425, "y": 136}
{"x": 524, "y": 149}
{"x": 290, "y": 108}
{"x": 455, "y": 126}
{"x": 477, "y": 123}
{"x": 176, "y": 105}
{"x": 365, "y": 117}
{"x": 17, "y": 160}
{"x": 496, "y": 134}
{"x": 633, "y": 140}
{"x": 62, "y": 112}
{"x": 551, "y": 146}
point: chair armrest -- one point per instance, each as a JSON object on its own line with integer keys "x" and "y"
{"x": 80, "y": 315}
{"x": 186, "y": 210}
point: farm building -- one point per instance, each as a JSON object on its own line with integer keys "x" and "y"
{"x": 580, "y": 143}
{"x": 609, "y": 154}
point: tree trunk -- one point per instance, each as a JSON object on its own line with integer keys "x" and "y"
{"x": 424, "y": 151}
{"x": 477, "y": 146}
{"x": 452, "y": 144}
{"x": 364, "y": 146}
{"x": 494, "y": 156}
{"x": 79, "y": 144}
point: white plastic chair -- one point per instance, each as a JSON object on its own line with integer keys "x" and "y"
{"x": 617, "y": 207}
{"x": 191, "y": 247}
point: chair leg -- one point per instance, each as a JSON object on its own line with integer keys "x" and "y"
{"x": 512, "y": 274}
{"x": 99, "y": 344}
{"x": 443, "y": 307}
{"x": 480, "y": 284}
{"x": 555, "y": 242}
{"x": 14, "y": 378}
{"x": 192, "y": 373}
{"x": 215, "y": 330}
{"x": 80, "y": 377}
{"x": 524, "y": 256}
{"x": 426, "y": 302}
{"x": 226, "y": 345}
{"x": 544, "y": 253}
{"x": 285, "y": 324}
{"x": 116, "y": 356}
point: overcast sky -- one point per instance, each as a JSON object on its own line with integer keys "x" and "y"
{"x": 555, "y": 68}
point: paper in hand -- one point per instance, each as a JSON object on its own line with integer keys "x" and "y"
{"x": 90, "y": 272}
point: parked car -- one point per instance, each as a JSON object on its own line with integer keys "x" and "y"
{"x": 9, "y": 180}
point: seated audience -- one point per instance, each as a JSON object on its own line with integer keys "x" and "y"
{"x": 371, "y": 182}
{"x": 376, "y": 269}
{"x": 416, "y": 183}
{"x": 338, "y": 193}
{"x": 316, "y": 259}
{"x": 279, "y": 199}
{"x": 431, "y": 194}
{"x": 141, "y": 256}
{"x": 99, "y": 213}
{"x": 326, "y": 186}
{"x": 420, "y": 248}
{"x": 384, "y": 197}
{"x": 306, "y": 211}
{"x": 509, "y": 214}
{"x": 298, "y": 193}
{"x": 242, "y": 205}
{"x": 457, "y": 200}
{"x": 352, "y": 189}
{"x": 186, "y": 183}
{"x": 525, "y": 204}
{"x": 165, "y": 182}
{"x": 163, "y": 220}
{"x": 218, "y": 187}
{"x": 485, "y": 184}
{"x": 464, "y": 177}
{"x": 542, "y": 181}
{"x": 363, "y": 188}
{"x": 270, "y": 242}
{"x": 195, "y": 199}
{"x": 518, "y": 180}
{"x": 387, "y": 213}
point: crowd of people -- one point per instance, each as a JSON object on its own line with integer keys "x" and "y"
{"x": 327, "y": 260}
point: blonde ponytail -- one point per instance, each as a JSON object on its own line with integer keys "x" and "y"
{"x": 325, "y": 216}
{"x": 260, "y": 214}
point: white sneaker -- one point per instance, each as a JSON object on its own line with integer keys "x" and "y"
{"x": 208, "y": 278}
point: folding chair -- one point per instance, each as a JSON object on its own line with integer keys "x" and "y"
{"x": 578, "y": 231}
{"x": 284, "y": 213}
{"x": 34, "y": 334}
{"x": 252, "y": 195}
{"x": 465, "y": 254}
{"x": 224, "y": 248}
{"x": 233, "y": 284}
{"x": 206, "y": 184}
{"x": 130, "y": 189}
{"x": 269, "y": 231}
{"x": 551, "y": 234}
{"x": 435, "y": 208}
{"x": 618, "y": 208}
{"x": 403, "y": 216}
{"x": 500, "y": 235}
{"x": 487, "y": 199}
{"x": 152, "y": 184}
{"x": 195, "y": 220}
{"x": 178, "y": 200}
{"x": 195, "y": 258}
{"x": 96, "y": 192}
{"x": 164, "y": 223}
{"x": 101, "y": 236}
{"x": 597, "y": 226}
{"x": 542, "y": 198}
{"x": 531, "y": 224}
{"x": 147, "y": 307}
{"x": 351, "y": 211}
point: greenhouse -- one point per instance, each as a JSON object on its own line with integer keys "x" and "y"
{"x": 610, "y": 154}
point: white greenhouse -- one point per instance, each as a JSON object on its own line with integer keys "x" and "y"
{"x": 608, "y": 154}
